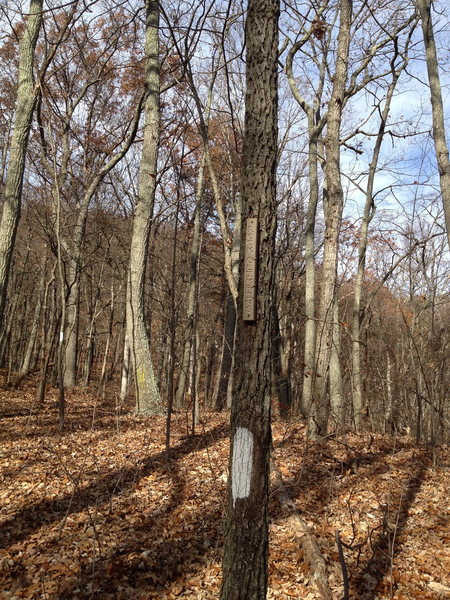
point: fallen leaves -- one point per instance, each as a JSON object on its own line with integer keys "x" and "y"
{"x": 96, "y": 513}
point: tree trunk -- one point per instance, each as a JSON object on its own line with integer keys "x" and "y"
{"x": 105, "y": 372}
{"x": 310, "y": 274}
{"x": 246, "y": 536}
{"x": 193, "y": 288}
{"x": 316, "y": 124}
{"x": 333, "y": 206}
{"x": 41, "y": 298}
{"x": 440, "y": 144}
{"x": 25, "y": 104}
{"x": 72, "y": 323}
{"x": 221, "y": 391}
{"x": 124, "y": 379}
{"x": 369, "y": 211}
{"x": 148, "y": 400}
{"x": 282, "y": 383}
{"x": 336, "y": 391}
{"x": 224, "y": 388}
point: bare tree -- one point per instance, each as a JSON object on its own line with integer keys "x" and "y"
{"x": 333, "y": 205}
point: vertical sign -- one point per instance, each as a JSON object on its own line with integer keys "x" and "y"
{"x": 250, "y": 270}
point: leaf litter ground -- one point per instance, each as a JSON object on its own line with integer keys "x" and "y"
{"x": 98, "y": 512}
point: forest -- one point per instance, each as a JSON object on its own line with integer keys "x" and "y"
{"x": 224, "y": 299}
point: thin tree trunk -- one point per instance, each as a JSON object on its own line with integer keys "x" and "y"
{"x": 105, "y": 372}
{"x": 124, "y": 380}
{"x": 282, "y": 383}
{"x": 224, "y": 385}
{"x": 389, "y": 402}
{"x": 72, "y": 313}
{"x": 61, "y": 354}
{"x": 193, "y": 288}
{"x": 224, "y": 373}
{"x": 316, "y": 123}
{"x": 245, "y": 559}
{"x": 369, "y": 211}
{"x": 172, "y": 330}
{"x": 310, "y": 274}
{"x": 49, "y": 351}
{"x": 336, "y": 390}
{"x": 210, "y": 360}
{"x": 41, "y": 294}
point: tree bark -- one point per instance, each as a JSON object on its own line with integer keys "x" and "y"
{"x": 193, "y": 288}
{"x": 25, "y": 104}
{"x": 148, "y": 400}
{"x": 246, "y": 537}
{"x": 26, "y": 363}
{"x": 282, "y": 382}
{"x": 316, "y": 123}
{"x": 336, "y": 390}
{"x": 440, "y": 143}
{"x": 223, "y": 375}
{"x": 333, "y": 206}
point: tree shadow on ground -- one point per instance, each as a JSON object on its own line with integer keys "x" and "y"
{"x": 160, "y": 550}
{"x": 313, "y": 485}
{"x": 314, "y": 481}
{"x": 383, "y": 544}
{"x": 30, "y": 518}
{"x": 19, "y": 420}
{"x": 160, "y": 546}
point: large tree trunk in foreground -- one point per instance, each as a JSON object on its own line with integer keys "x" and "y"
{"x": 246, "y": 537}
{"x": 25, "y": 104}
{"x": 148, "y": 400}
{"x": 440, "y": 144}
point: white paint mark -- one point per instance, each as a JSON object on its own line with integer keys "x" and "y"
{"x": 61, "y": 336}
{"x": 242, "y": 463}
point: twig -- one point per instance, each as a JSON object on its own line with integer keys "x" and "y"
{"x": 343, "y": 566}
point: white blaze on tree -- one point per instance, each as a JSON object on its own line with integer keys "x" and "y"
{"x": 242, "y": 464}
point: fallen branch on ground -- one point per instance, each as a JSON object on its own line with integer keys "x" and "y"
{"x": 310, "y": 547}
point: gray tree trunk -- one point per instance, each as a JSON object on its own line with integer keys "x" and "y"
{"x": 226, "y": 361}
{"x": 333, "y": 206}
{"x": 224, "y": 385}
{"x": 245, "y": 559}
{"x": 316, "y": 124}
{"x": 369, "y": 210}
{"x": 336, "y": 389}
{"x": 193, "y": 288}
{"x": 440, "y": 143}
{"x": 148, "y": 400}
{"x": 310, "y": 274}
{"x": 26, "y": 363}
{"x": 281, "y": 379}
{"x": 25, "y": 104}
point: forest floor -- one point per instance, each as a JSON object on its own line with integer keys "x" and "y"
{"x": 98, "y": 512}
